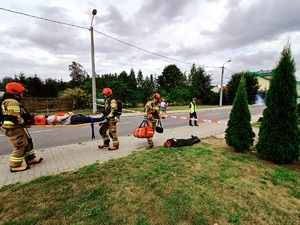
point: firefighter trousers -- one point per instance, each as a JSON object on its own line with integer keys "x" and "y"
{"x": 112, "y": 127}
{"x": 151, "y": 123}
{"x": 22, "y": 146}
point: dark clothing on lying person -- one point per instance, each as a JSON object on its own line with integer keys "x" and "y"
{"x": 64, "y": 119}
{"x": 173, "y": 142}
{"x": 79, "y": 119}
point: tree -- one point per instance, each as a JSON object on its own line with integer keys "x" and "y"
{"x": 201, "y": 87}
{"x": 279, "y": 135}
{"x": 51, "y": 87}
{"x": 239, "y": 133}
{"x": 147, "y": 89}
{"x": 171, "y": 78}
{"x": 139, "y": 79}
{"x": 35, "y": 86}
{"x": 251, "y": 86}
{"x": 81, "y": 98}
{"x": 5, "y": 80}
{"x": 77, "y": 74}
{"x": 21, "y": 78}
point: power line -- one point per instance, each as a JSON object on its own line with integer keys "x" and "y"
{"x": 41, "y": 18}
{"x": 228, "y": 70}
{"x": 166, "y": 57}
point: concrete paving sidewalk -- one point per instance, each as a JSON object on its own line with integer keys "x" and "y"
{"x": 70, "y": 157}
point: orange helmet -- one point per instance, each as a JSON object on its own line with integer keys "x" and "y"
{"x": 107, "y": 92}
{"x": 156, "y": 95}
{"x": 14, "y": 88}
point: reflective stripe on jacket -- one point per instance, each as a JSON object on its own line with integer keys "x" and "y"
{"x": 11, "y": 107}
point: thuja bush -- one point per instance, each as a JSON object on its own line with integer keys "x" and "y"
{"x": 239, "y": 133}
{"x": 279, "y": 133}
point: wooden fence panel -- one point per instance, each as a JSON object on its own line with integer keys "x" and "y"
{"x": 47, "y": 105}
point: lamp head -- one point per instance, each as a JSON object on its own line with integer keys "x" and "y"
{"x": 94, "y": 12}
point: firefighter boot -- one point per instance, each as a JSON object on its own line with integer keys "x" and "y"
{"x": 34, "y": 161}
{"x": 19, "y": 169}
{"x": 190, "y": 123}
{"x": 105, "y": 144}
{"x": 113, "y": 148}
{"x": 195, "y": 123}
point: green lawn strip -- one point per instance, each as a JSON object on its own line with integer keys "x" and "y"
{"x": 201, "y": 184}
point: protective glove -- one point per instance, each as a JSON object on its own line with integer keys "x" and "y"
{"x": 105, "y": 120}
{"x": 145, "y": 120}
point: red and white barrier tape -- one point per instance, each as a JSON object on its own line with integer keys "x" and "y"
{"x": 184, "y": 118}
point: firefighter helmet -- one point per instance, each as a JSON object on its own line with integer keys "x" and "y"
{"x": 14, "y": 88}
{"x": 107, "y": 92}
{"x": 156, "y": 95}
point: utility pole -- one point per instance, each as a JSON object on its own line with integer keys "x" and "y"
{"x": 94, "y": 12}
{"x": 221, "y": 88}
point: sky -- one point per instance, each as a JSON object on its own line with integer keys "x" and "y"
{"x": 146, "y": 35}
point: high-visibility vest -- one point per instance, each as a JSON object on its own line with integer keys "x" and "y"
{"x": 192, "y": 107}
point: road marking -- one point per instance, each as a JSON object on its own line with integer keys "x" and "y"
{"x": 40, "y": 131}
{"x": 32, "y": 132}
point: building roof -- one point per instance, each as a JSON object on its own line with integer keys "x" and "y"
{"x": 264, "y": 74}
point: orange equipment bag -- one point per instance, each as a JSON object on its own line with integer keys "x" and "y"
{"x": 40, "y": 121}
{"x": 143, "y": 131}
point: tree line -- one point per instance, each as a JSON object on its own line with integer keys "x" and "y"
{"x": 175, "y": 86}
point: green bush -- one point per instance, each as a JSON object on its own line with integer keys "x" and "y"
{"x": 239, "y": 133}
{"x": 279, "y": 132}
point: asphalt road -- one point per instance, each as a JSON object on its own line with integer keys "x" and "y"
{"x": 51, "y": 136}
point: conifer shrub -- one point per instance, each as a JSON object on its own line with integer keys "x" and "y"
{"x": 239, "y": 133}
{"x": 279, "y": 132}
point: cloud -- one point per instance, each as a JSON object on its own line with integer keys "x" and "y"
{"x": 127, "y": 33}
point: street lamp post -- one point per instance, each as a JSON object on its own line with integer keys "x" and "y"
{"x": 94, "y": 12}
{"x": 221, "y": 88}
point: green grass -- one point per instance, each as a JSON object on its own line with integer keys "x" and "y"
{"x": 203, "y": 184}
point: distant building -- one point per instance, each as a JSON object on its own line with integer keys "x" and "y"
{"x": 263, "y": 78}
{"x": 216, "y": 88}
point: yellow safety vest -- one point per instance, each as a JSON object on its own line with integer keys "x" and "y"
{"x": 192, "y": 107}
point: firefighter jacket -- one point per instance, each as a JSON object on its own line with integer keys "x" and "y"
{"x": 152, "y": 110}
{"x": 12, "y": 114}
{"x": 111, "y": 106}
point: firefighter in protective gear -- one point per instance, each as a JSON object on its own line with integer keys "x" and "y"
{"x": 110, "y": 121}
{"x": 15, "y": 119}
{"x": 151, "y": 115}
{"x": 193, "y": 113}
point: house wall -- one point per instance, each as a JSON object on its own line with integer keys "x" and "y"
{"x": 263, "y": 83}
{"x": 298, "y": 89}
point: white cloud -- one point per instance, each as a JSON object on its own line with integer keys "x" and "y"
{"x": 251, "y": 33}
